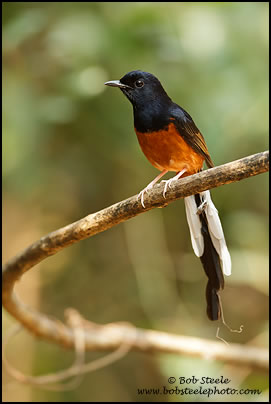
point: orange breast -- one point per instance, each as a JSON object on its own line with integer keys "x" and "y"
{"x": 166, "y": 150}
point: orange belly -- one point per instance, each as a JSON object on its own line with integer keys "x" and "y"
{"x": 166, "y": 150}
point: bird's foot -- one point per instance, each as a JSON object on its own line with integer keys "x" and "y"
{"x": 171, "y": 180}
{"x": 149, "y": 187}
{"x": 141, "y": 193}
{"x": 167, "y": 185}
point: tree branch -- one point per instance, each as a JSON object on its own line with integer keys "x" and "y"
{"x": 98, "y": 338}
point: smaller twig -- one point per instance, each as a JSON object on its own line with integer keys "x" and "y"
{"x": 77, "y": 369}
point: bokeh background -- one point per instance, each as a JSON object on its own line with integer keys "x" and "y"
{"x": 69, "y": 149}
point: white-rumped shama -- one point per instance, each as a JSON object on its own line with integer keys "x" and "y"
{"x": 171, "y": 141}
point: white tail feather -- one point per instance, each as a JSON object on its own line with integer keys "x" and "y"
{"x": 226, "y": 260}
{"x": 194, "y": 225}
{"x": 216, "y": 233}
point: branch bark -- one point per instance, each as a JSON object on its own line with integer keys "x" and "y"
{"x": 53, "y": 330}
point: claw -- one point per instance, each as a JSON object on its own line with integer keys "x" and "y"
{"x": 169, "y": 182}
{"x": 167, "y": 185}
{"x": 149, "y": 187}
{"x": 141, "y": 196}
{"x": 141, "y": 193}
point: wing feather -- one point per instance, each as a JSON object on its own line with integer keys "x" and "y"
{"x": 190, "y": 133}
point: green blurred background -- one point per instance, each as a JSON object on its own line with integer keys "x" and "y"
{"x": 69, "y": 149}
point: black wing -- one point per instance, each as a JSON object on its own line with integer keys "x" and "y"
{"x": 190, "y": 133}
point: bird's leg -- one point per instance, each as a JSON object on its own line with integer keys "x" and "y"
{"x": 169, "y": 182}
{"x": 149, "y": 186}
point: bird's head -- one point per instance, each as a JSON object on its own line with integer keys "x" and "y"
{"x": 141, "y": 88}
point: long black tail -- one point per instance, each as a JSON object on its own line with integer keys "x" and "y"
{"x": 209, "y": 244}
{"x": 212, "y": 267}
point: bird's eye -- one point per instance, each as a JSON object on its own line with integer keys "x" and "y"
{"x": 139, "y": 83}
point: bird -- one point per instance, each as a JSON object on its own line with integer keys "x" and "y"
{"x": 171, "y": 141}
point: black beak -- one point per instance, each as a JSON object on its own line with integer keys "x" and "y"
{"x": 117, "y": 83}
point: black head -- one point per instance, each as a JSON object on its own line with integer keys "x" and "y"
{"x": 141, "y": 88}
